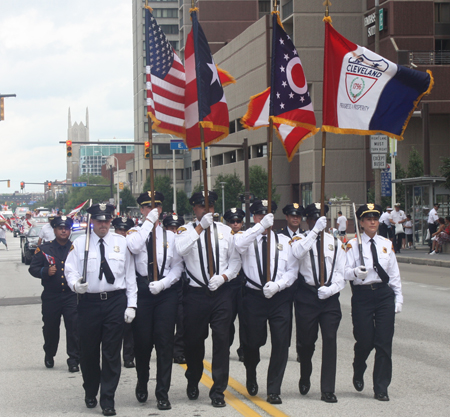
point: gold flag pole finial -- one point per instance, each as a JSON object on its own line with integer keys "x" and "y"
{"x": 275, "y": 2}
{"x": 327, "y": 4}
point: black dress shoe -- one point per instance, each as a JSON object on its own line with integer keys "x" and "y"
{"x": 192, "y": 392}
{"x": 240, "y": 353}
{"x": 218, "y": 402}
{"x": 304, "y": 387}
{"x": 328, "y": 397}
{"x": 74, "y": 368}
{"x": 49, "y": 362}
{"x": 129, "y": 364}
{"x": 109, "y": 411}
{"x": 274, "y": 399}
{"x": 179, "y": 359}
{"x": 381, "y": 396}
{"x": 90, "y": 402}
{"x": 164, "y": 405}
{"x": 141, "y": 393}
{"x": 252, "y": 387}
{"x": 358, "y": 384}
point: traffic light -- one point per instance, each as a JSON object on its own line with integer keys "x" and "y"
{"x": 49, "y": 185}
{"x": 9, "y": 183}
{"x": 69, "y": 148}
{"x": 2, "y": 108}
{"x": 147, "y": 150}
{"x": 22, "y": 185}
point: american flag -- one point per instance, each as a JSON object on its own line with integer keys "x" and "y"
{"x": 165, "y": 80}
{"x": 205, "y": 100}
{"x": 287, "y": 101}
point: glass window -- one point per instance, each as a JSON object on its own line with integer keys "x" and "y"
{"x": 165, "y": 12}
{"x": 232, "y": 126}
{"x": 169, "y": 29}
{"x": 442, "y": 12}
{"x": 306, "y": 194}
{"x": 174, "y": 45}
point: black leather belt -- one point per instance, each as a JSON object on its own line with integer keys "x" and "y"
{"x": 101, "y": 296}
{"x": 372, "y": 287}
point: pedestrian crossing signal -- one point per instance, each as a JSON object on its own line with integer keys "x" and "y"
{"x": 147, "y": 150}
{"x": 69, "y": 148}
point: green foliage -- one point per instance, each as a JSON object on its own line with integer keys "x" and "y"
{"x": 127, "y": 200}
{"x": 98, "y": 194}
{"x": 258, "y": 184}
{"x": 233, "y": 187}
{"x": 415, "y": 164}
{"x": 198, "y": 188}
{"x": 445, "y": 171}
{"x": 183, "y": 205}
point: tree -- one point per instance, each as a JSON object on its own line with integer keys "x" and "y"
{"x": 233, "y": 187}
{"x": 445, "y": 171}
{"x": 163, "y": 185}
{"x": 127, "y": 200}
{"x": 258, "y": 184}
{"x": 183, "y": 205}
{"x": 98, "y": 194}
{"x": 415, "y": 164}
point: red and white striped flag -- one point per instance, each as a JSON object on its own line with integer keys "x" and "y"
{"x": 76, "y": 209}
{"x": 6, "y": 223}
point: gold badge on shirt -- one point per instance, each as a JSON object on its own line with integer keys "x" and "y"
{"x": 384, "y": 250}
{"x": 220, "y": 236}
{"x": 116, "y": 249}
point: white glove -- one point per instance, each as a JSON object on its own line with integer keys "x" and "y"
{"x": 324, "y": 292}
{"x": 360, "y": 272}
{"x": 130, "y": 314}
{"x": 215, "y": 282}
{"x": 270, "y": 289}
{"x": 156, "y": 287}
{"x": 320, "y": 225}
{"x": 153, "y": 216}
{"x": 79, "y": 287}
{"x": 267, "y": 221}
{"x": 207, "y": 220}
{"x": 398, "y": 307}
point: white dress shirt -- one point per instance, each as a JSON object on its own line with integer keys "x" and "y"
{"x": 386, "y": 258}
{"x": 119, "y": 259}
{"x": 287, "y": 264}
{"x": 137, "y": 238}
{"x": 186, "y": 245}
{"x": 301, "y": 250}
{"x": 384, "y": 218}
{"x": 433, "y": 216}
{"x": 47, "y": 234}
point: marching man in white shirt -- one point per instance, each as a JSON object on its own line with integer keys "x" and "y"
{"x": 106, "y": 300}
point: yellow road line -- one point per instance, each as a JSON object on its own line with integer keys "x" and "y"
{"x": 237, "y": 386}
{"x": 237, "y": 404}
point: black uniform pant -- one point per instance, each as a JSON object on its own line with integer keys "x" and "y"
{"x": 373, "y": 315}
{"x": 101, "y": 330}
{"x": 383, "y": 230}
{"x": 236, "y": 296}
{"x": 178, "y": 344}
{"x": 310, "y": 312}
{"x": 128, "y": 343}
{"x": 55, "y": 305}
{"x": 257, "y": 311}
{"x": 154, "y": 325}
{"x": 200, "y": 310}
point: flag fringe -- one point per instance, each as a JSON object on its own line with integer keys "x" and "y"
{"x": 293, "y": 123}
{"x": 278, "y": 18}
{"x": 149, "y": 9}
{"x": 159, "y": 129}
{"x": 232, "y": 79}
{"x": 416, "y": 103}
{"x": 192, "y": 10}
{"x": 339, "y": 131}
{"x": 211, "y": 126}
{"x": 327, "y": 19}
{"x": 294, "y": 151}
{"x": 250, "y": 112}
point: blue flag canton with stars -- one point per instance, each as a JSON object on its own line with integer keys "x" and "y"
{"x": 159, "y": 52}
{"x": 289, "y": 87}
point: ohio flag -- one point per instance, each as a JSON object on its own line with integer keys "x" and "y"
{"x": 364, "y": 93}
{"x": 287, "y": 102}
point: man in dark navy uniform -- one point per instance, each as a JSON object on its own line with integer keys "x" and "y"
{"x": 57, "y": 299}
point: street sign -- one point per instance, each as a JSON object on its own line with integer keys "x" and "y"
{"x": 176, "y": 145}
{"x": 379, "y": 144}
{"x": 79, "y": 184}
{"x": 386, "y": 185}
{"x": 378, "y": 161}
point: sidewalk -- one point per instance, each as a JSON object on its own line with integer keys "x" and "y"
{"x": 420, "y": 256}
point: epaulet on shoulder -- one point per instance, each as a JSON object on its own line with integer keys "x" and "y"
{"x": 37, "y": 250}
{"x": 295, "y": 238}
{"x": 384, "y": 238}
{"x": 181, "y": 230}
{"x": 131, "y": 231}
{"x": 71, "y": 248}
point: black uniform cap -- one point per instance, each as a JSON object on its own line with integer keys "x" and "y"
{"x": 369, "y": 210}
{"x": 61, "y": 221}
{"x": 293, "y": 210}
{"x": 122, "y": 223}
{"x": 173, "y": 220}
{"x": 145, "y": 199}
{"x": 199, "y": 198}
{"x": 262, "y": 207}
{"x": 234, "y": 213}
{"x": 313, "y": 210}
{"x": 103, "y": 211}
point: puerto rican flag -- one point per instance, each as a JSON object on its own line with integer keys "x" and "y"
{"x": 8, "y": 226}
{"x": 364, "y": 93}
{"x": 165, "y": 80}
{"x": 76, "y": 209}
{"x": 287, "y": 102}
{"x": 205, "y": 101}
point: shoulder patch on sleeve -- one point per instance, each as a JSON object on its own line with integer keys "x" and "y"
{"x": 349, "y": 246}
{"x": 37, "y": 250}
{"x": 131, "y": 231}
{"x": 295, "y": 238}
{"x": 181, "y": 230}
{"x": 71, "y": 248}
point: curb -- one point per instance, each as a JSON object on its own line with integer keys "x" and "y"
{"x": 420, "y": 261}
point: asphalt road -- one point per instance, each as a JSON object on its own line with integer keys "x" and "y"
{"x": 420, "y": 375}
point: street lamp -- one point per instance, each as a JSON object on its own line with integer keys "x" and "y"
{"x": 223, "y": 197}
{"x": 118, "y": 196}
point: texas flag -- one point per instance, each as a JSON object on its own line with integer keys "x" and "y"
{"x": 364, "y": 93}
{"x": 287, "y": 101}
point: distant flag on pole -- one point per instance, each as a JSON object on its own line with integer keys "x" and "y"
{"x": 364, "y": 93}
{"x": 287, "y": 101}
{"x": 6, "y": 223}
{"x": 76, "y": 209}
{"x": 165, "y": 80}
{"x": 205, "y": 101}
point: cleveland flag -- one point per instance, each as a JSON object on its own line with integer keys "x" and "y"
{"x": 205, "y": 101}
{"x": 364, "y": 93}
{"x": 287, "y": 102}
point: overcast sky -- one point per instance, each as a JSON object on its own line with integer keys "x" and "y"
{"x": 54, "y": 55}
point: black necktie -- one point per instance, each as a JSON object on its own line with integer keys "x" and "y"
{"x": 104, "y": 267}
{"x": 264, "y": 260}
{"x": 376, "y": 266}
{"x": 150, "y": 257}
